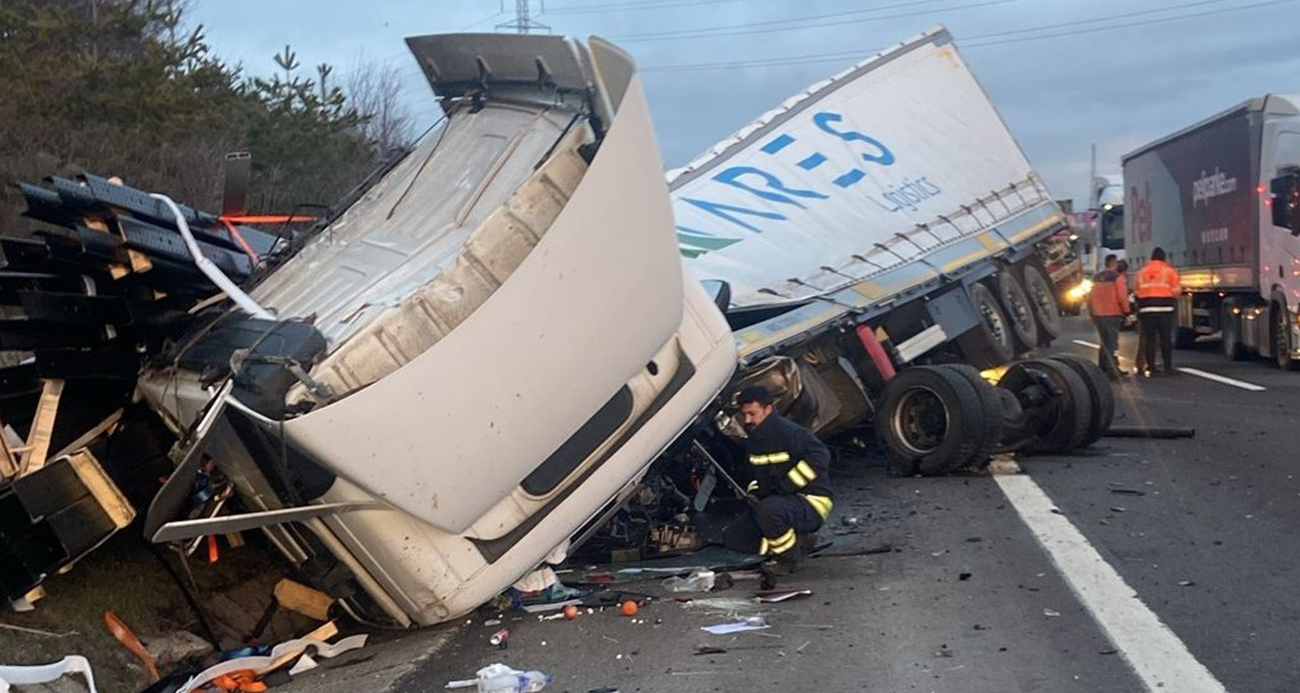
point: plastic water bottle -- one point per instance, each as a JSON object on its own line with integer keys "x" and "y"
{"x": 517, "y": 682}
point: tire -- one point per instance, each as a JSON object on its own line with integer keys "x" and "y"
{"x": 1043, "y": 297}
{"x": 1018, "y": 309}
{"x": 1099, "y": 391}
{"x": 1230, "y": 324}
{"x": 989, "y": 344}
{"x": 1184, "y": 338}
{"x": 991, "y": 403}
{"x": 931, "y": 420}
{"x": 1282, "y": 341}
{"x": 1063, "y": 423}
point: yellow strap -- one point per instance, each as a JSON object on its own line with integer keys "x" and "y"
{"x": 821, "y": 504}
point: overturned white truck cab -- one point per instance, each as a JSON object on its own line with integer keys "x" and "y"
{"x": 474, "y": 360}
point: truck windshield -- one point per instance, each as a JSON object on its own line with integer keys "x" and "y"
{"x": 1112, "y": 228}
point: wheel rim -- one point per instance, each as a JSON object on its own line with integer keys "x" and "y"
{"x": 1041, "y": 294}
{"x": 994, "y": 323}
{"x": 1019, "y": 310}
{"x": 920, "y": 421}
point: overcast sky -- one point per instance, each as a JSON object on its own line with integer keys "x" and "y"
{"x": 1115, "y": 72}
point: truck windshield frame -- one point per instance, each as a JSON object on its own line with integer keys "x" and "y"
{"x": 1111, "y": 227}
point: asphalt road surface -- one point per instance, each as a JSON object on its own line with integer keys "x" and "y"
{"x": 1141, "y": 565}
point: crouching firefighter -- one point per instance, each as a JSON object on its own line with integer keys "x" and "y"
{"x": 790, "y": 493}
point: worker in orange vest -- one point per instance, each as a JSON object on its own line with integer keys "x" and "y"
{"x": 1108, "y": 304}
{"x": 1157, "y": 289}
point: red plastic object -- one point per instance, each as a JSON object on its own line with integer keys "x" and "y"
{"x": 877, "y": 352}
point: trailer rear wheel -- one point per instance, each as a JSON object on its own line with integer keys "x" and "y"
{"x": 1018, "y": 308}
{"x": 1061, "y": 423}
{"x": 1043, "y": 296}
{"x": 1230, "y": 328}
{"x": 931, "y": 420}
{"x": 989, "y": 344}
{"x": 1099, "y": 392}
{"x": 1282, "y": 341}
{"x": 991, "y": 402}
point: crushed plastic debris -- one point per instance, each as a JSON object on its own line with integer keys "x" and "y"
{"x": 776, "y": 596}
{"x": 728, "y": 628}
{"x": 499, "y": 678}
{"x": 46, "y": 673}
{"x": 696, "y": 581}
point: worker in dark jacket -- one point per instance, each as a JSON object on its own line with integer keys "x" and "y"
{"x": 1108, "y": 304}
{"x": 790, "y": 492}
{"x": 1157, "y": 288}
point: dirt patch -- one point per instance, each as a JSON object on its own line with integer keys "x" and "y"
{"x": 122, "y": 576}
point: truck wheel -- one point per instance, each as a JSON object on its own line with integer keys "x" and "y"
{"x": 1018, "y": 308}
{"x": 1059, "y": 421}
{"x": 931, "y": 420}
{"x": 1282, "y": 341}
{"x": 991, "y": 403}
{"x": 1043, "y": 297}
{"x": 1184, "y": 338}
{"x": 989, "y": 344}
{"x": 1230, "y": 328}
{"x": 1099, "y": 391}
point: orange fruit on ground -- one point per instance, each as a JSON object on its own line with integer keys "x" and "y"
{"x": 570, "y": 612}
{"x": 629, "y": 608}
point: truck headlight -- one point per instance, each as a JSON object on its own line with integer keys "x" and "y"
{"x": 1078, "y": 291}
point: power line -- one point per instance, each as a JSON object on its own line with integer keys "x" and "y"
{"x": 799, "y": 23}
{"x": 632, "y": 6}
{"x": 1095, "y": 20}
{"x": 484, "y": 20}
{"x": 1135, "y": 24}
{"x": 966, "y": 41}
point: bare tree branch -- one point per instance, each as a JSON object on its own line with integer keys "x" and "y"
{"x": 374, "y": 90}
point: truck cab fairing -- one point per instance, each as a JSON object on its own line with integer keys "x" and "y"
{"x": 511, "y": 336}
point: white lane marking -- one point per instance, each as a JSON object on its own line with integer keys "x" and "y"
{"x": 1222, "y": 379}
{"x": 1090, "y": 345}
{"x": 1159, "y": 658}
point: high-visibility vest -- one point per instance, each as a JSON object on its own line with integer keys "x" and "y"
{"x": 1157, "y": 279}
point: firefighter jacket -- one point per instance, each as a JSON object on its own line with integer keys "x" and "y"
{"x": 1109, "y": 295}
{"x": 787, "y": 459}
{"x": 1157, "y": 287}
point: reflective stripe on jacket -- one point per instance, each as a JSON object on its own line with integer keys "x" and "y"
{"x": 1157, "y": 279}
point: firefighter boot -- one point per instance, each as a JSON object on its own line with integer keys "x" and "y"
{"x": 782, "y": 566}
